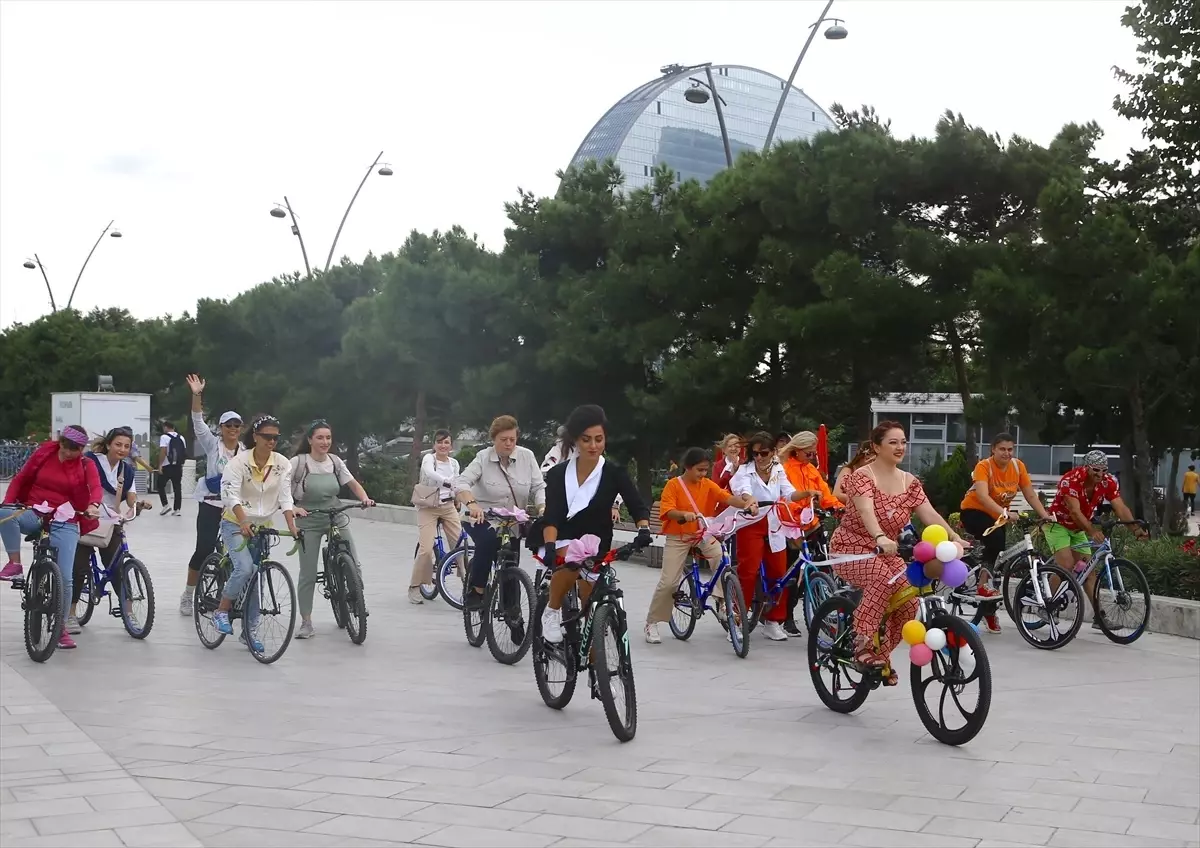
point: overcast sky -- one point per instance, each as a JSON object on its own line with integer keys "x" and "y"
{"x": 187, "y": 121}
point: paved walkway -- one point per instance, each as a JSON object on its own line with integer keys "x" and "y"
{"x": 417, "y": 738}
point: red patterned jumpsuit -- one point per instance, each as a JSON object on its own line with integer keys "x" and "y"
{"x": 872, "y": 575}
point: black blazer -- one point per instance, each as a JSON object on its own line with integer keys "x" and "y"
{"x": 596, "y": 517}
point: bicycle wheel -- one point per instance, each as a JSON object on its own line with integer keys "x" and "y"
{"x": 821, "y": 587}
{"x": 450, "y": 575}
{"x": 614, "y": 671}
{"x": 473, "y": 625}
{"x": 87, "y": 597}
{"x": 1013, "y": 572}
{"x": 553, "y": 664}
{"x": 136, "y": 598}
{"x": 685, "y": 612}
{"x": 43, "y": 603}
{"x": 507, "y": 613}
{"x": 276, "y": 612}
{"x": 759, "y": 603}
{"x": 831, "y": 650}
{"x": 429, "y": 591}
{"x": 206, "y": 599}
{"x": 1056, "y": 620}
{"x": 1121, "y": 596}
{"x": 737, "y": 617}
{"x": 354, "y": 603}
{"x": 335, "y": 590}
{"x": 957, "y": 718}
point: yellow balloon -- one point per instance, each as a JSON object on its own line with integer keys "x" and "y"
{"x": 934, "y": 533}
{"x": 914, "y": 632}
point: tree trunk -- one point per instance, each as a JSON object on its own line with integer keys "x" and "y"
{"x": 774, "y": 393}
{"x": 860, "y": 399}
{"x": 1141, "y": 458}
{"x": 964, "y": 390}
{"x": 418, "y": 437}
{"x": 1173, "y": 502}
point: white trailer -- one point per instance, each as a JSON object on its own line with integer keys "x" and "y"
{"x": 99, "y": 412}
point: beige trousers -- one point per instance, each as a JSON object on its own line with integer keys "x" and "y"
{"x": 427, "y": 524}
{"x": 675, "y": 557}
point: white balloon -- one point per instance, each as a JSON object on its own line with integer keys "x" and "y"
{"x": 945, "y": 552}
{"x": 935, "y": 639}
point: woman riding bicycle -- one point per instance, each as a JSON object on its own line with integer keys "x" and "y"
{"x": 763, "y": 541}
{"x": 55, "y": 475}
{"x": 883, "y": 499}
{"x": 685, "y": 499}
{"x": 995, "y": 483}
{"x": 317, "y": 477}
{"x": 797, "y": 459}
{"x": 562, "y": 450}
{"x": 217, "y": 450}
{"x": 504, "y": 476}
{"x": 439, "y": 471}
{"x": 579, "y": 497}
{"x": 109, "y": 454}
{"x": 256, "y": 484}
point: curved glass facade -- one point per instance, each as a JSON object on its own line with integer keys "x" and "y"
{"x": 654, "y": 123}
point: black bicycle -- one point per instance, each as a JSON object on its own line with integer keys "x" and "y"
{"x": 341, "y": 578}
{"x": 42, "y": 593}
{"x": 596, "y": 638}
{"x": 503, "y": 618}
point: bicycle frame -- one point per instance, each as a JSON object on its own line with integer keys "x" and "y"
{"x": 102, "y": 578}
{"x": 439, "y": 549}
{"x": 704, "y": 591}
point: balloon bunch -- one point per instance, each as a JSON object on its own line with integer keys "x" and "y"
{"x": 923, "y": 643}
{"x": 937, "y": 558}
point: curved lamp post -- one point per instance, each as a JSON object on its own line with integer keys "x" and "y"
{"x": 30, "y": 264}
{"x": 278, "y": 212}
{"x": 697, "y": 94}
{"x": 835, "y": 33}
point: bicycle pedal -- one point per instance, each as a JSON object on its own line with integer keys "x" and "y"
{"x": 18, "y": 583}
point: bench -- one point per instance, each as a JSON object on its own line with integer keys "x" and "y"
{"x": 653, "y": 554}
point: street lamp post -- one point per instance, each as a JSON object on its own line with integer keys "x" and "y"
{"x": 279, "y": 213}
{"x": 114, "y": 234}
{"x": 29, "y": 264}
{"x": 697, "y": 95}
{"x": 835, "y": 33}
{"x": 36, "y": 263}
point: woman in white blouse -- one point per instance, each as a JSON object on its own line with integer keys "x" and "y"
{"x": 764, "y": 480}
{"x": 438, "y": 469}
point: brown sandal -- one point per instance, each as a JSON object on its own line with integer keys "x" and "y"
{"x": 866, "y": 656}
{"x": 892, "y": 679}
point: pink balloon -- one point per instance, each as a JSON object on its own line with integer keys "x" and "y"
{"x": 920, "y": 654}
{"x": 924, "y": 552}
{"x": 955, "y": 573}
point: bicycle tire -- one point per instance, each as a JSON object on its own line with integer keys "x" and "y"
{"x": 684, "y": 602}
{"x": 758, "y": 605}
{"x": 1013, "y": 572}
{"x": 429, "y": 591}
{"x": 274, "y": 578}
{"x": 133, "y": 567}
{"x": 1026, "y": 629}
{"x": 87, "y": 598}
{"x": 1126, "y": 569}
{"x": 205, "y": 599}
{"x": 541, "y": 655}
{"x": 354, "y": 603}
{"x": 831, "y": 646}
{"x": 737, "y": 617}
{"x": 821, "y": 587}
{"x": 473, "y": 624}
{"x": 452, "y": 589}
{"x": 623, "y": 723}
{"x": 953, "y": 658}
{"x": 514, "y": 618}
{"x": 44, "y": 578}
{"x": 335, "y": 590}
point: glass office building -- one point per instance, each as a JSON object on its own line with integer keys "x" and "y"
{"x": 654, "y": 123}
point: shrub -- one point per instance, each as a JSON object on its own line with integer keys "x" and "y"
{"x": 947, "y": 481}
{"x": 1172, "y": 569}
{"x": 386, "y": 478}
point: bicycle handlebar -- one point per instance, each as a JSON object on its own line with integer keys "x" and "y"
{"x": 336, "y": 510}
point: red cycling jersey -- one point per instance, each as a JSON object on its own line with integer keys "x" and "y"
{"x": 1074, "y": 484}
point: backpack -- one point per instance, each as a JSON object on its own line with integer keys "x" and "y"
{"x": 176, "y": 454}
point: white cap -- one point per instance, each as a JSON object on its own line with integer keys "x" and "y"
{"x": 230, "y": 416}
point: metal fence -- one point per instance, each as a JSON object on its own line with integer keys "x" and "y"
{"x": 13, "y": 455}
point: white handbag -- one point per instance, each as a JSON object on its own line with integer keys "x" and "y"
{"x": 98, "y": 538}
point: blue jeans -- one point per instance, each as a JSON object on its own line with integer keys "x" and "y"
{"x": 64, "y": 538}
{"x": 244, "y": 569}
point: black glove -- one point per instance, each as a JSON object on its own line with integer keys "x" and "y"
{"x": 644, "y": 538}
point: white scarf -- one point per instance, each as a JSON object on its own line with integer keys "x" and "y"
{"x": 579, "y": 496}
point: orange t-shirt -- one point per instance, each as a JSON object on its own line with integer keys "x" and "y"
{"x": 707, "y": 495}
{"x": 807, "y": 477}
{"x": 1003, "y": 483}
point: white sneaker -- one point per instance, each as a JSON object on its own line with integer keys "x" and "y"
{"x": 165, "y": 510}
{"x": 414, "y": 595}
{"x": 306, "y": 630}
{"x": 552, "y": 625}
{"x": 774, "y": 631}
{"x": 652, "y": 636}
{"x": 185, "y": 600}
{"x": 73, "y": 626}
{"x": 177, "y": 513}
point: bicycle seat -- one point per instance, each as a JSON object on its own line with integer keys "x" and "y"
{"x": 34, "y": 536}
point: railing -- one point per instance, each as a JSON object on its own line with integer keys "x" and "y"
{"x": 13, "y": 455}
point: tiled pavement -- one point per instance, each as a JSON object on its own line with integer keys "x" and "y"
{"x": 415, "y": 738}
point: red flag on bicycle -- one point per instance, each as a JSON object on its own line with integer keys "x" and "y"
{"x": 823, "y": 451}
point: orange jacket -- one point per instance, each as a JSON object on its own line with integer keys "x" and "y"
{"x": 806, "y": 477}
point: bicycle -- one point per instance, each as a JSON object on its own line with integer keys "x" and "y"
{"x": 962, "y": 661}
{"x": 691, "y": 598}
{"x": 135, "y": 599}
{"x": 341, "y": 579}
{"x": 41, "y": 590}
{"x": 450, "y": 568}
{"x": 270, "y": 591}
{"x": 580, "y": 647}
{"x": 507, "y": 584}
{"x": 1111, "y": 573}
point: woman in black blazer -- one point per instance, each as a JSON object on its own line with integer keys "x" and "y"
{"x": 579, "y": 499}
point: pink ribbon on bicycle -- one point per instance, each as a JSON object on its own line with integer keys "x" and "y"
{"x": 520, "y": 515}
{"x": 585, "y": 547}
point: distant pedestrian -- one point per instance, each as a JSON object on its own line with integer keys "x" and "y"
{"x": 1191, "y": 481}
{"x": 172, "y": 451}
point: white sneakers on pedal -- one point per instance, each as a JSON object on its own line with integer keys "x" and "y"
{"x": 552, "y": 625}
{"x": 774, "y": 631}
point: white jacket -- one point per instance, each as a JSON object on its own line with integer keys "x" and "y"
{"x": 261, "y": 492}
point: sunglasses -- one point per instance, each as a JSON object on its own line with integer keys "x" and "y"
{"x": 1096, "y": 470}
{"x": 270, "y": 437}
{"x": 232, "y": 424}
{"x": 763, "y": 454}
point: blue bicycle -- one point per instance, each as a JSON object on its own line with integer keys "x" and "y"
{"x": 450, "y": 567}
{"x": 130, "y": 583}
{"x": 692, "y": 596}
{"x": 811, "y": 575}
